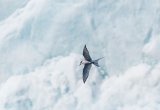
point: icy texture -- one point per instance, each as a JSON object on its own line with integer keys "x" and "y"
{"x": 41, "y": 43}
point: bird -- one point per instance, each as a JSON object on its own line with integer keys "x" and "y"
{"x": 87, "y": 62}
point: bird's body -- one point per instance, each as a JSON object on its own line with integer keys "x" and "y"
{"x": 87, "y": 63}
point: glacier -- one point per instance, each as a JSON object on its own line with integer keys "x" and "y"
{"x": 41, "y": 46}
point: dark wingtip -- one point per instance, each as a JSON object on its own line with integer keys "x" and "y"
{"x": 84, "y": 81}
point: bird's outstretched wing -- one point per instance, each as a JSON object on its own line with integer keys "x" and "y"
{"x": 86, "y": 70}
{"x": 86, "y": 54}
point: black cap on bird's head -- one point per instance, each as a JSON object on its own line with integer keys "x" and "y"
{"x": 80, "y": 63}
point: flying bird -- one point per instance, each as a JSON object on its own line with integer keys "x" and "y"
{"x": 88, "y": 63}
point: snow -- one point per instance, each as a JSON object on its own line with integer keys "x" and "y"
{"x": 41, "y": 46}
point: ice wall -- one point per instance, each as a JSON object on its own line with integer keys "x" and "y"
{"x": 42, "y": 29}
{"x": 41, "y": 42}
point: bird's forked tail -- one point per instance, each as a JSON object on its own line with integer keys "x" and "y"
{"x": 95, "y": 62}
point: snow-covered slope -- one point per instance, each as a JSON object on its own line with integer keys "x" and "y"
{"x": 41, "y": 42}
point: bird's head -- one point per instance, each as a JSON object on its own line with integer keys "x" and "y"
{"x": 80, "y": 63}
